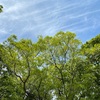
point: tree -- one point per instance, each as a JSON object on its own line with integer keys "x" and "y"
{"x": 1, "y": 8}
{"x": 57, "y": 67}
{"x": 91, "y": 49}
{"x": 8, "y": 83}
{"x": 23, "y": 60}
{"x": 61, "y": 55}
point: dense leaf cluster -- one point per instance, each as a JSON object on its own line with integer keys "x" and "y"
{"x": 1, "y": 8}
{"x": 53, "y": 68}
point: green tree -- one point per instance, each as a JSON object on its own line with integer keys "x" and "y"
{"x": 52, "y": 68}
{"x": 61, "y": 55}
{"x": 91, "y": 49}
{"x": 8, "y": 83}
{"x": 24, "y": 61}
{"x": 1, "y": 8}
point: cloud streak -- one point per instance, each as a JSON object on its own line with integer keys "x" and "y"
{"x": 85, "y": 14}
{"x": 46, "y": 17}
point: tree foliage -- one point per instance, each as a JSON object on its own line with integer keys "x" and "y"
{"x": 1, "y": 8}
{"x": 57, "y": 67}
{"x": 91, "y": 50}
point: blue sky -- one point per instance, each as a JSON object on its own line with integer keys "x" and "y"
{"x": 30, "y": 18}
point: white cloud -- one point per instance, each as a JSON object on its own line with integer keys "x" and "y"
{"x": 85, "y": 14}
{"x": 47, "y": 17}
{"x": 14, "y": 8}
{"x": 3, "y": 31}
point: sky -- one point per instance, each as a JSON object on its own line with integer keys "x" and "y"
{"x": 30, "y": 18}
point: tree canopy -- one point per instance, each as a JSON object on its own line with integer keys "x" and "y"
{"x": 55, "y": 67}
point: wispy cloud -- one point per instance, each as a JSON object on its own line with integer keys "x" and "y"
{"x": 14, "y": 8}
{"x": 47, "y": 17}
{"x": 85, "y": 14}
{"x": 3, "y": 31}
